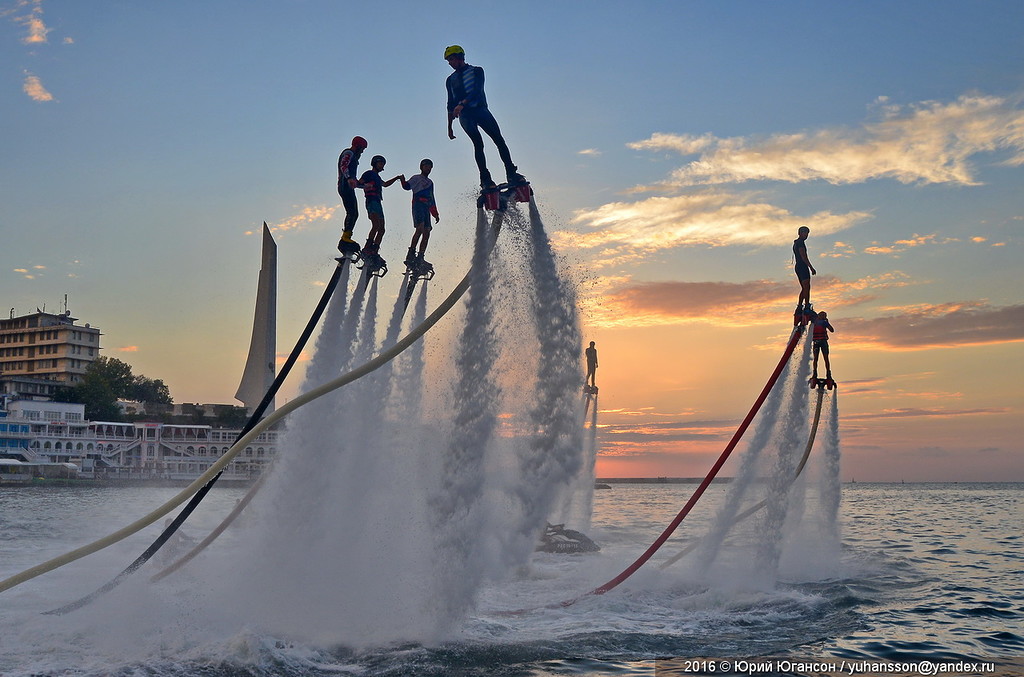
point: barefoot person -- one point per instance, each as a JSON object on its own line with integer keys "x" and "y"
{"x": 803, "y": 267}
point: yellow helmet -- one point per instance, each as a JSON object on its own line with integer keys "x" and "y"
{"x": 452, "y": 51}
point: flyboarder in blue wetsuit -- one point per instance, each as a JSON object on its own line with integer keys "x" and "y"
{"x": 467, "y": 102}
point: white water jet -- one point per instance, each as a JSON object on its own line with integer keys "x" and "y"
{"x": 792, "y": 440}
{"x": 457, "y": 519}
{"x": 742, "y": 488}
{"x": 407, "y": 382}
{"x": 831, "y": 488}
{"x": 551, "y": 466}
{"x": 342, "y": 553}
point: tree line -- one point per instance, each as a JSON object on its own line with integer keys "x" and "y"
{"x": 107, "y": 380}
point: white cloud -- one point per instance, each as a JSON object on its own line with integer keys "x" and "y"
{"x": 626, "y": 231}
{"x": 684, "y": 144}
{"x": 930, "y": 142}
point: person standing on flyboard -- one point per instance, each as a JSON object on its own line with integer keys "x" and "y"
{"x": 467, "y": 102}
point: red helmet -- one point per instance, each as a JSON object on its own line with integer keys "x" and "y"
{"x": 359, "y": 142}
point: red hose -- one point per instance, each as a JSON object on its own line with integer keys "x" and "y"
{"x": 632, "y": 568}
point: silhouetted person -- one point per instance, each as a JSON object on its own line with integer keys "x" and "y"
{"x": 591, "y": 353}
{"x": 803, "y": 267}
{"x": 348, "y": 181}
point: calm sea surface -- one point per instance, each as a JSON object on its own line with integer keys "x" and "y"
{"x": 925, "y": 572}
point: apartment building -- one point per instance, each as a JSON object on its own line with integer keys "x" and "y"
{"x": 41, "y": 351}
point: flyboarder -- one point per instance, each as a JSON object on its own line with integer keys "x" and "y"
{"x": 373, "y": 189}
{"x": 466, "y": 101}
{"x": 348, "y": 165}
{"x": 820, "y": 345}
{"x": 591, "y": 382}
{"x": 423, "y": 207}
{"x": 803, "y": 268}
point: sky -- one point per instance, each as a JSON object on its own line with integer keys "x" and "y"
{"x": 674, "y": 149}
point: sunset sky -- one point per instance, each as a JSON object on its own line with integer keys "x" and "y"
{"x": 674, "y": 147}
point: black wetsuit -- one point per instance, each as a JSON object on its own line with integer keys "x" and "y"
{"x": 800, "y": 252}
{"x": 348, "y": 164}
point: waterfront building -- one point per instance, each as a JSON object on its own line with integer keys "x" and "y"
{"x": 57, "y": 433}
{"x": 42, "y": 351}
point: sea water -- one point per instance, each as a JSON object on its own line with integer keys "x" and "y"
{"x": 925, "y": 572}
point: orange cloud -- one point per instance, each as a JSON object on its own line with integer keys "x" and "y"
{"x": 756, "y": 302}
{"x": 129, "y": 349}
{"x": 301, "y": 220}
{"x": 35, "y": 90}
{"x": 840, "y": 250}
{"x": 641, "y": 439}
{"x": 916, "y": 240}
{"x": 32, "y": 20}
{"x": 912, "y": 412}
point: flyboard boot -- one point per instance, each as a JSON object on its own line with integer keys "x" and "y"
{"x": 421, "y": 269}
{"x": 371, "y": 261}
{"x": 518, "y": 187}
{"x": 496, "y": 197}
{"x": 809, "y": 314}
{"x": 348, "y": 247}
{"x": 490, "y": 194}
